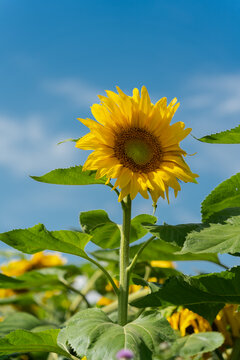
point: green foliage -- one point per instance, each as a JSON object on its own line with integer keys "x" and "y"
{"x": 35, "y": 304}
{"x": 217, "y": 238}
{"x": 22, "y": 341}
{"x": 101, "y": 339}
{"x": 174, "y": 234}
{"x": 106, "y": 234}
{"x": 19, "y": 320}
{"x": 224, "y": 137}
{"x": 215, "y": 288}
{"x": 70, "y": 176}
{"x": 38, "y": 238}
{"x": 197, "y": 344}
{"x": 156, "y": 250}
{"x": 224, "y": 196}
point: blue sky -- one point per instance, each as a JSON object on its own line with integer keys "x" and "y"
{"x": 57, "y": 56}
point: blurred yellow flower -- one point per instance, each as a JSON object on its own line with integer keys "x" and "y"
{"x": 42, "y": 260}
{"x": 135, "y": 144}
{"x": 37, "y": 261}
{"x": 187, "y": 322}
{"x": 18, "y": 267}
{"x": 162, "y": 264}
{"x": 104, "y": 301}
{"x": 228, "y": 323}
{"x": 5, "y": 293}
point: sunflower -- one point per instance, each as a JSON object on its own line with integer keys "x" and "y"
{"x": 187, "y": 322}
{"x": 135, "y": 144}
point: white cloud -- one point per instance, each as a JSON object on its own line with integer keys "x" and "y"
{"x": 212, "y": 104}
{"x": 220, "y": 94}
{"x": 26, "y": 146}
{"x": 78, "y": 92}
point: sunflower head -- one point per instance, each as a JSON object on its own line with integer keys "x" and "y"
{"x": 133, "y": 142}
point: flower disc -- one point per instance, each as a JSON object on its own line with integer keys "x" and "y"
{"x": 135, "y": 144}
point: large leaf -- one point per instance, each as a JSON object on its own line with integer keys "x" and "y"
{"x": 217, "y": 238}
{"x": 197, "y": 344}
{"x": 161, "y": 250}
{"x": 23, "y": 341}
{"x": 224, "y": 137}
{"x": 19, "y": 320}
{"x": 175, "y": 234}
{"x": 70, "y": 176}
{"x": 38, "y": 238}
{"x": 106, "y": 233}
{"x": 224, "y": 196}
{"x": 215, "y": 288}
{"x": 101, "y": 339}
{"x": 156, "y": 250}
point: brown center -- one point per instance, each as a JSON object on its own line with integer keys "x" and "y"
{"x": 138, "y": 150}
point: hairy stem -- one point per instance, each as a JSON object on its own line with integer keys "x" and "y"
{"x": 124, "y": 262}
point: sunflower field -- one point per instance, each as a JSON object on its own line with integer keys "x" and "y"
{"x": 126, "y": 299}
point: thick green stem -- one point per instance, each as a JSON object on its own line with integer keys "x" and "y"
{"x": 124, "y": 262}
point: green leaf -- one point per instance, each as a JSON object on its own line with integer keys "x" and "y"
{"x": 70, "y": 176}
{"x": 224, "y": 137}
{"x": 139, "y": 227}
{"x": 162, "y": 273}
{"x": 18, "y": 320}
{"x": 221, "y": 216}
{"x": 156, "y": 250}
{"x": 161, "y": 250}
{"x": 197, "y": 343}
{"x": 101, "y": 339}
{"x": 208, "y": 310}
{"x": 7, "y": 282}
{"x": 90, "y": 220}
{"x": 175, "y": 234}
{"x": 23, "y": 341}
{"x": 224, "y": 196}
{"x": 215, "y": 288}
{"x": 38, "y": 238}
{"x": 217, "y": 238}
{"x": 106, "y": 233}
